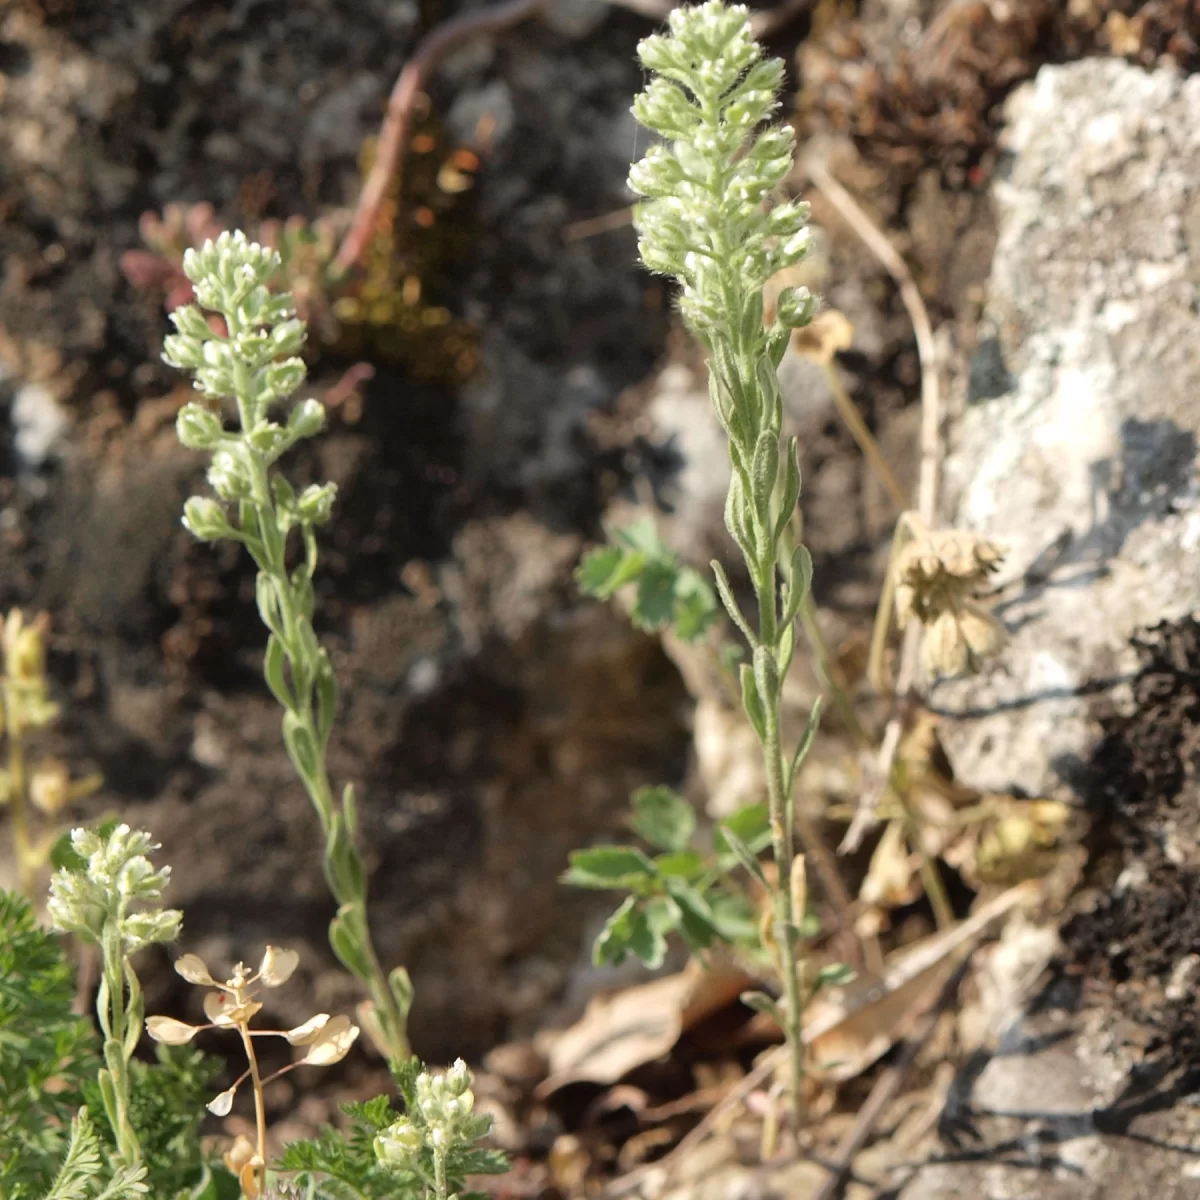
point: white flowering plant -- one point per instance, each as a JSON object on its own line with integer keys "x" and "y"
{"x": 247, "y": 350}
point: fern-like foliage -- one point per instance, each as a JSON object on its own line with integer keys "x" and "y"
{"x": 167, "y": 1101}
{"x": 46, "y": 1052}
{"x": 341, "y": 1165}
{"x": 344, "y": 1165}
{"x": 83, "y": 1172}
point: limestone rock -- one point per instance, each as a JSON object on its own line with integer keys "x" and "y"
{"x": 1076, "y": 447}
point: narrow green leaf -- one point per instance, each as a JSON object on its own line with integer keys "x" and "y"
{"x": 327, "y": 697}
{"x": 273, "y": 671}
{"x": 766, "y": 677}
{"x": 731, "y": 604}
{"x": 777, "y": 346}
{"x": 834, "y": 975}
{"x": 301, "y": 747}
{"x": 751, "y": 823}
{"x": 761, "y": 1002}
{"x": 346, "y": 946}
{"x": 663, "y": 817}
{"x": 791, "y": 488}
{"x": 751, "y": 702}
{"x": 806, "y": 742}
{"x": 787, "y": 647}
{"x": 401, "y": 987}
{"x": 610, "y": 868}
{"x": 799, "y": 581}
{"x": 744, "y": 855}
{"x": 765, "y": 472}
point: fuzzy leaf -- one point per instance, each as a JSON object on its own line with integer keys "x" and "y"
{"x": 663, "y": 817}
{"x": 628, "y": 931}
{"x": 655, "y": 603}
{"x": 606, "y": 569}
{"x": 610, "y": 868}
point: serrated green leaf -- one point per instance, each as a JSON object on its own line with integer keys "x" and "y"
{"x": 628, "y": 931}
{"x": 606, "y": 569}
{"x": 655, "y": 603}
{"x": 610, "y": 868}
{"x": 696, "y": 607}
{"x": 663, "y": 817}
{"x": 641, "y": 535}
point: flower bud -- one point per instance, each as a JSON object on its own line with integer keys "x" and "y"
{"x": 287, "y": 337}
{"x": 398, "y": 1144}
{"x": 315, "y": 504}
{"x": 795, "y": 307}
{"x": 205, "y": 519}
{"x": 190, "y": 322}
{"x": 198, "y": 428}
{"x": 307, "y": 418}
{"x": 183, "y": 353}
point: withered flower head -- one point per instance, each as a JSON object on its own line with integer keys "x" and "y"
{"x": 940, "y": 577}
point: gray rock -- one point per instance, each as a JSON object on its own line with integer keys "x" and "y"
{"x": 1076, "y": 447}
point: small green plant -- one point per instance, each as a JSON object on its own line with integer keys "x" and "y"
{"x": 111, "y": 897}
{"x": 255, "y": 361}
{"x": 46, "y": 1053}
{"x": 424, "y": 1154}
{"x": 681, "y": 888}
{"x": 84, "y": 1171}
{"x": 667, "y": 592}
{"x": 707, "y": 221}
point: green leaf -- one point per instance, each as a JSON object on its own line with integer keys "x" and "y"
{"x": 642, "y": 536}
{"x": 791, "y": 488}
{"x": 695, "y": 605}
{"x": 683, "y": 864}
{"x": 744, "y": 856}
{"x": 697, "y": 923}
{"x": 607, "y": 568}
{"x": 798, "y": 584}
{"x": 751, "y": 702}
{"x": 806, "y": 742}
{"x": 731, "y": 604}
{"x": 752, "y": 823}
{"x": 761, "y": 1002}
{"x": 655, "y": 602}
{"x": 734, "y": 917}
{"x": 833, "y": 975}
{"x": 610, "y": 868}
{"x": 663, "y": 817}
{"x": 628, "y": 931}
{"x": 273, "y": 672}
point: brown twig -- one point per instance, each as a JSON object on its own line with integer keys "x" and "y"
{"x": 928, "y": 482}
{"x": 397, "y": 123}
